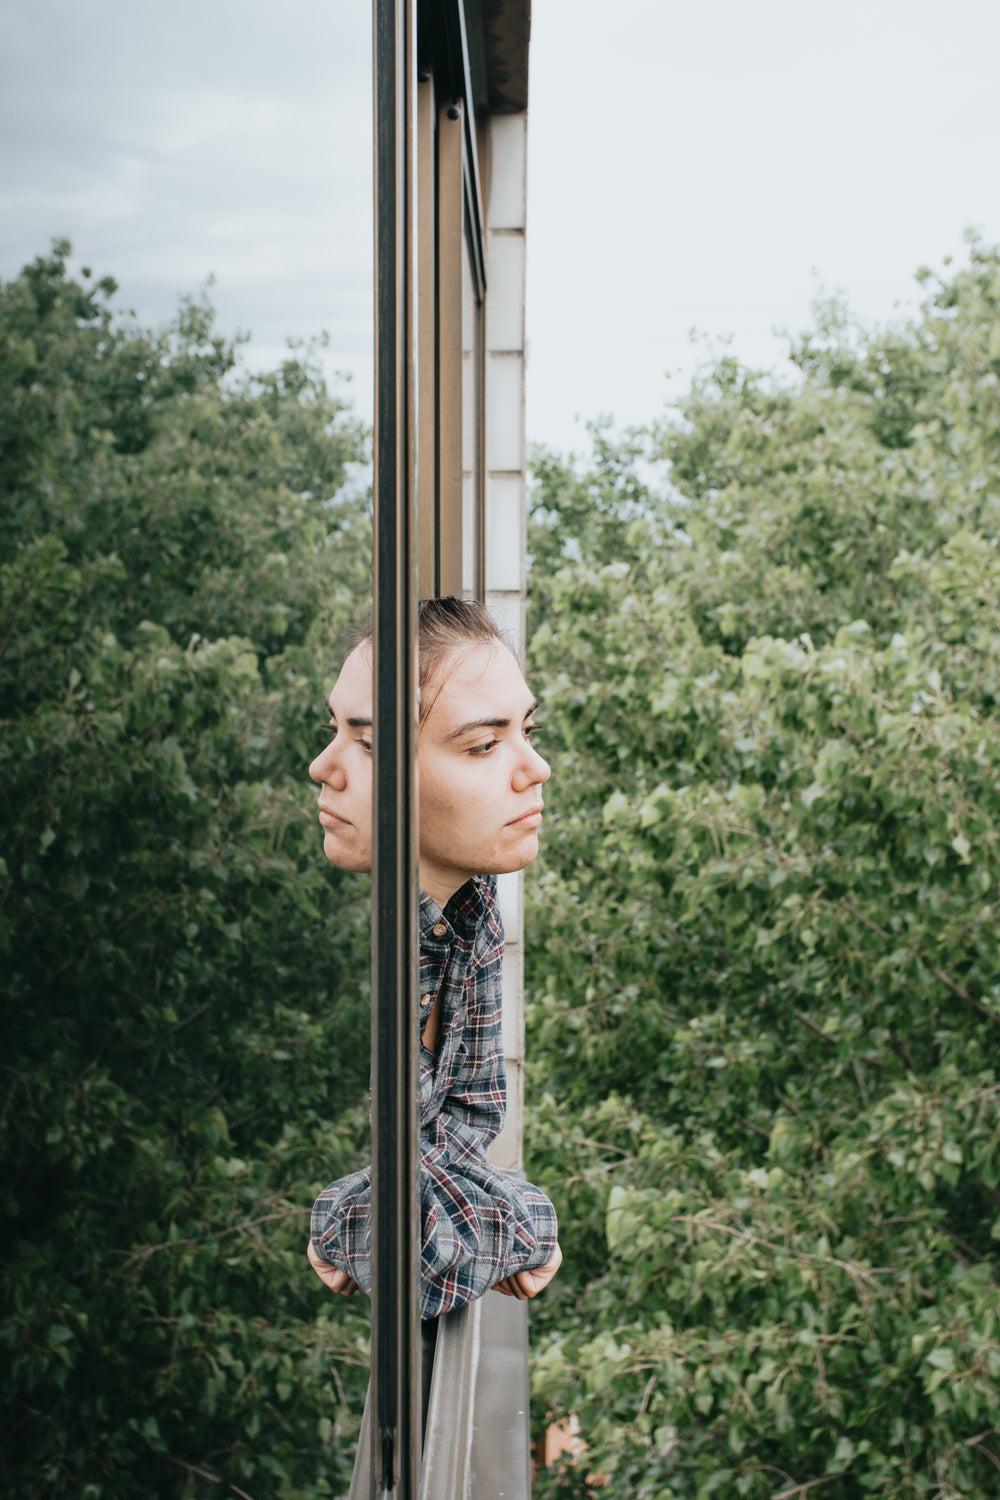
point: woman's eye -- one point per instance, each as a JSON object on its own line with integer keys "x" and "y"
{"x": 329, "y": 732}
{"x": 483, "y": 749}
{"x": 530, "y": 729}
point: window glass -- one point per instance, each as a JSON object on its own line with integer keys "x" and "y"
{"x": 472, "y": 365}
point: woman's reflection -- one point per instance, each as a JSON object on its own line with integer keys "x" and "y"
{"x": 480, "y": 797}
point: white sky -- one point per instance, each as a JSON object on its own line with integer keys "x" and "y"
{"x": 706, "y": 166}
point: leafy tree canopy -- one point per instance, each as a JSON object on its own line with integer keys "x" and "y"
{"x": 764, "y": 962}
{"x": 185, "y": 979}
{"x": 764, "y": 970}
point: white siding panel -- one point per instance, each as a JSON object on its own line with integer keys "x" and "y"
{"x": 504, "y": 412}
{"x": 505, "y": 302}
{"x": 506, "y": 201}
{"x": 505, "y": 533}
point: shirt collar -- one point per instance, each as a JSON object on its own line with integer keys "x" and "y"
{"x": 462, "y": 913}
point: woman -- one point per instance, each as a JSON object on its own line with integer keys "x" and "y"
{"x": 479, "y": 784}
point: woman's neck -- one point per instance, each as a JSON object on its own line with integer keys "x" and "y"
{"x": 440, "y": 885}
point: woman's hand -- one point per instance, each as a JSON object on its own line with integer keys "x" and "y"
{"x": 525, "y": 1284}
{"x": 331, "y": 1276}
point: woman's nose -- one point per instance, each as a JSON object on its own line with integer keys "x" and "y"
{"x": 533, "y": 770}
{"x": 328, "y": 767}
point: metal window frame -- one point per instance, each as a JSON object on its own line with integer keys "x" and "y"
{"x": 448, "y": 466}
{"x": 451, "y": 216}
{"x": 428, "y": 218}
{"x": 472, "y": 239}
{"x": 444, "y": 45}
{"x": 395, "y": 1379}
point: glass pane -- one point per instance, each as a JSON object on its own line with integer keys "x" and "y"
{"x": 472, "y": 498}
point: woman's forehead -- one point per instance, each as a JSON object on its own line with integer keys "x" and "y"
{"x": 354, "y": 681}
{"x": 480, "y": 681}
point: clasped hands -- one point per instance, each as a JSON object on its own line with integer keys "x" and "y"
{"x": 519, "y": 1284}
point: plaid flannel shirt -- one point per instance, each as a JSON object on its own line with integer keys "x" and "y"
{"x": 478, "y": 1224}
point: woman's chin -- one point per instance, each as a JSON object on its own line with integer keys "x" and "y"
{"x": 344, "y": 853}
{"x": 511, "y": 860}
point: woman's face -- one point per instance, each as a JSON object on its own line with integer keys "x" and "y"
{"x": 479, "y": 780}
{"x": 344, "y": 768}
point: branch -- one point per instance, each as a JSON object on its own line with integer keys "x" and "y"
{"x": 140, "y": 911}
{"x": 172, "y": 1030}
{"x": 18, "y": 605}
{"x": 340, "y": 1387}
{"x": 750, "y": 1239}
{"x": 979, "y": 1440}
{"x": 963, "y": 994}
{"x": 644, "y": 1403}
{"x": 244, "y": 1227}
{"x": 828, "y": 1036}
{"x": 939, "y": 974}
{"x": 204, "y": 1474}
{"x": 866, "y": 921}
{"x": 192, "y": 1469}
{"x": 803, "y": 1489}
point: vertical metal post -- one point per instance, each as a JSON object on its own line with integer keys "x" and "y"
{"x": 395, "y": 1384}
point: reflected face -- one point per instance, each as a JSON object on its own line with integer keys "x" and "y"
{"x": 479, "y": 779}
{"x": 344, "y": 768}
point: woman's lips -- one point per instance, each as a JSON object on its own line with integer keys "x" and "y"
{"x": 527, "y": 820}
{"x": 330, "y": 820}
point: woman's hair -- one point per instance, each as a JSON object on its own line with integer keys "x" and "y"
{"x": 443, "y": 626}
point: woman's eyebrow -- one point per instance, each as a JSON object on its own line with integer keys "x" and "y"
{"x": 352, "y": 723}
{"x": 498, "y": 723}
{"x": 471, "y": 724}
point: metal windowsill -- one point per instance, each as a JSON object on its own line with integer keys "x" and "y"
{"x": 477, "y": 1439}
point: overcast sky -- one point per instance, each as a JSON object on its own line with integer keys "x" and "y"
{"x": 708, "y": 166}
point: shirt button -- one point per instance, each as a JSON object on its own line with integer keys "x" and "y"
{"x": 439, "y": 929}
{"x": 425, "y": 1000}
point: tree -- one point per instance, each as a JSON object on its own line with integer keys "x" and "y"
{"x": 185, "y": 978}
{"x": 765, "y": 992}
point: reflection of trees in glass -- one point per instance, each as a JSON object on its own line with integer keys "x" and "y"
{"x": 763, "y": 973}
{"x": 184, "y": 977}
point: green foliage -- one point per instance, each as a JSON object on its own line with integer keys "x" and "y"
{"x": 764, "y": 960}
{"x": 185, "y": 1000}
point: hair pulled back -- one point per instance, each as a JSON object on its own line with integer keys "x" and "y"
{"x": 444, "y": 626}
